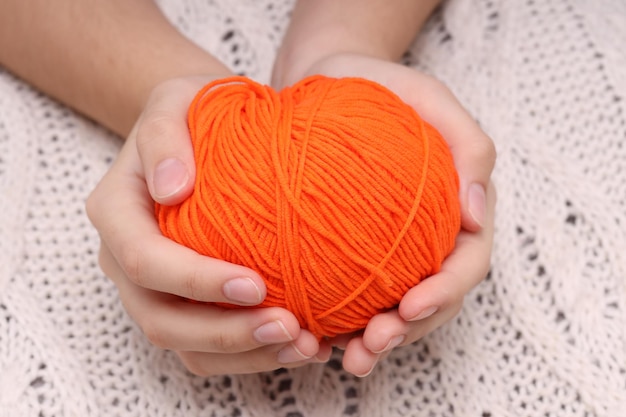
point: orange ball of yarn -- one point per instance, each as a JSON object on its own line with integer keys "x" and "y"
{"x": 334, "y": 190}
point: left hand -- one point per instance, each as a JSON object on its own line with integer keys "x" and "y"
{"x": 439, "y": 298}
{"x": 156, "y": 277}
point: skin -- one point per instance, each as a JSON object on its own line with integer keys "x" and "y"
{"x": 439, "y": 298}
{"x": 114, "y": 74}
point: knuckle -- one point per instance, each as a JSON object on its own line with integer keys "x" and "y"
{"x": 205, "y": 365}
{"x": 455, "y": 308}
{"x": 163, "y": 91}
{"x": 92, "y": 205}
{"x": 481, "y": 275}
{"x": 434, "y": 85}
{"x": 224, "y": 341}
{"x": 195, "y": 364}
{"x": 193, "y": 285}
{"x": 485, "y": 150}
{"x": 154, "y": 333}
{"x": 155, "y": 124}
{"x": 454, "y": 295}
{"x": 255, "y": 365}
{"x": 104, "y": 261}
{"x": 131, "y": 264}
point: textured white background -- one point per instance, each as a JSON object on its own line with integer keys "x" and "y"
{"x": 544, "y": 335}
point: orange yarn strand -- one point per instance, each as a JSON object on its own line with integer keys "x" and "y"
{"x": 334, "y": 190}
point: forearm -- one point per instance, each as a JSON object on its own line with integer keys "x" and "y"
{"x": 101, "y": 57}
{"x": 320, "y": 28}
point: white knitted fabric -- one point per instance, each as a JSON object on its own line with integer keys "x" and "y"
{"x": 543, "y": 335}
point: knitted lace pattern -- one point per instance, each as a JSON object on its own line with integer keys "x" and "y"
{"x": 543, "y": 335}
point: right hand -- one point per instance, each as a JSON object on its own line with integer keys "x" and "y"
{"x": 439, "y": 298}
{"x": 157, "y": 277}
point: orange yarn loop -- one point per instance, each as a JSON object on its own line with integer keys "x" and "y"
{"x": 334, "y": 190}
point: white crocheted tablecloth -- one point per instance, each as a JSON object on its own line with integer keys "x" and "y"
{"x": 543, "y": 335}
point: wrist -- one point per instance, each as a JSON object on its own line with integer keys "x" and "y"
{"x": 324, "y": 28}
{"x": 123, "y": 50}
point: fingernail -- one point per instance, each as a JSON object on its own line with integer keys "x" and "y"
{"x": 477, "y": 203}
{"x": 272, "y": 332}
{"x": 170, "y": 176}
{"x": 425, "y": 313}
{"x": 242, "y": 291}
{"x": 393, "y": 342}
{"x": 290, "y": 354}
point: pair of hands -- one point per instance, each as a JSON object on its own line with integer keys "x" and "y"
{"x": 156, "y": 276}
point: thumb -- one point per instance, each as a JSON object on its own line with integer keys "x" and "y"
{"x": 164, "y": 143}
{"x": 474, "y": 164}
{"x": 474, "y": 158}
{"x": 473, "y": 151}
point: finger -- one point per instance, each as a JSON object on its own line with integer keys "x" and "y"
{"x": 163, "y": 141}
{"x": 172, "y": 322}
{"x": 357, "y": 359}
{"x": 301, "y": 351}
{"x": 125, "y": 218}
{"x": 388, "y": 330}
{"x": 464, "y": 268}
{"x": 341, "y": 341}
{"x": 182, "y": 325}
{"x": 385, "y": 331}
